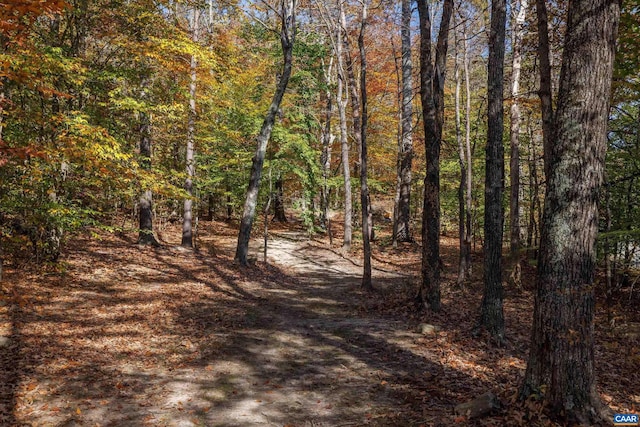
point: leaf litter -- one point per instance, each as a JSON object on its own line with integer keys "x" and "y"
{"x": 131, "y": 335}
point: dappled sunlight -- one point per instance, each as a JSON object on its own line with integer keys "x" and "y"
{"x": 160, "y": 336}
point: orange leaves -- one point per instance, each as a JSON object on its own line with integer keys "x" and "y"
{"x": 18, "y": 15}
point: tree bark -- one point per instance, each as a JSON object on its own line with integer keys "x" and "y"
{"x": 187, "y": 221}
{"x": 344, "y": 143}
{"x": 514, "y": 158}
{"x": 327, "y": 142}
{"x": 145, "y": 236}
{"x": 353, "y": 89}
{"x": 278, "y": 205}
{"x": 462, "y": 232}
{"x": 432, "y": 97}
{"x": 491, "y": 311}
{"x": 544, "y": 57}
{"x": 469, "y": 169}
{"x": 367, "y": 220}
{"x": 402, "y": 228}
{"x": 562, "y": 349}
{"x": 287, "y": 38}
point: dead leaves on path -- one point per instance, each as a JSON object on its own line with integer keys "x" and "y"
{"x": 118, "y": 337}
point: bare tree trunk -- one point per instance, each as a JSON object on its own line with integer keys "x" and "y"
{"x": 2, "y": 101}
{"x": 145, "y": 236}
{"x": 327, "y": 141}
{"x": 187, "y": 227}
{"x": 514, "y": 164}
{"x": 396, "y": 195}
{"x": 278, "y": 201}
{"x": 469, "y": 169}
{"x": 561, "y": 359}
{"x": 353, "y": 89}
{"x": 402, "y": 231}
{"x": 462, "y": 267}
{"x": 287, "y": 38}
{"x": 432, "y": 96}
{"x": 342, "y": 107}
{"x": 367, "y": 220}
{"x": 545, "y": 82}
{"x": 491, "y": 311}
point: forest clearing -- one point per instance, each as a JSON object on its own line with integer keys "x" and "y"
{"x": 128, "y": 335}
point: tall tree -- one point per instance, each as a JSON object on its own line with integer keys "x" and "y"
{"x": 561, "y": 359}
{"x": 327, "y": 142}
{"x": 187, "y": 221}
{"x": 465, "y": 251}
{"x": 344, "y": 143}
{"x": 403, "y": 218}
{"x": 287, "y": 16}
{"x": 514, "y": 160}
{"x": 432, "y": 96}
{"x": 364, "y": 186}
{"x": 544, "y": 58}
{"x": 491, "y": 311}
{"x": 145, "y": 236}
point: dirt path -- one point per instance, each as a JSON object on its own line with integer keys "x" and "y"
{"x": 123, "y": 335}
{"x": 130, "y": 335}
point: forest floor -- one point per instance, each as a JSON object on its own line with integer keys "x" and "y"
{"x": 124, "y": 335}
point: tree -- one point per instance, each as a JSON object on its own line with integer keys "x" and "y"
{"x": 344, "y": 143}
{"x": 432, "y": 96}
{"x": 287, "y": 18}
{"x": 402, "y": 231}
{"x": 145, "y": 234}
{"x": 561, "y": 360}
{"x": 367, "y": 220}
{"x": 514, "y": 164}
{"x": 491, "y": 312}
{"x": 544, "y": 57}
{"x": 187, "y": 223}
{"x": 464, "y": 157}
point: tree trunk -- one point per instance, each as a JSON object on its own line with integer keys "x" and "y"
{"x": 187, "y": 228}
{"x": 491, "y": 312}
{"x": 327, "y": 141}
{"x": 145, "y": 236}
{"x": 342, "y": 107}
{"x": 367, "y": 220}
{"x": 278, "y": 205}
{"x": 514, "y": 164}
{"x": 544, "y": 57}
{"x": 561, "y": 360}
{"x": 402, "y": 229}
{"x": 464, "y": 249}
{"x": 353, "y": 88}
{"x": 287, "y": 38}
{"x": 432, "y": 96}
{"x": 534, "y": 190}
{"x": 469, "y": 169}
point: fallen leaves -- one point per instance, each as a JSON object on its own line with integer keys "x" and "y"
{"x": 127, "y": 334}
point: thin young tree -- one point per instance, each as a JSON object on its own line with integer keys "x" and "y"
{"x": 364, "y": 186}
{"x": 561, "y": 360}
{"x": 344, "y": 143}
{"x": 327, "y": 142}
{"x": 544, "y": 59}
{"x": 491, "y": 309}
{"x": 515, "y": 118}
{"x": 465, "y": 251}
{"x": 187, "y": 220}
{"x": 287, "y": 17}
{"x": 432, "y": 96}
